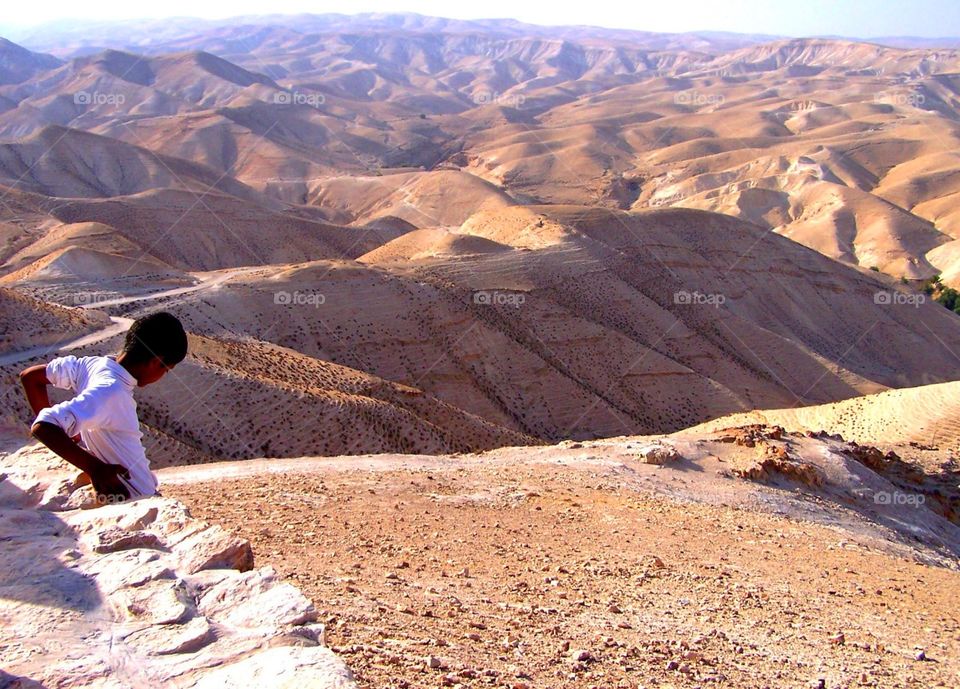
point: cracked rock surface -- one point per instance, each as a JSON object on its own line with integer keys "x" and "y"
{"x": 141, "y": 595}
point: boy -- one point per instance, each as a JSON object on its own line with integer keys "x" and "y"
{"x": 103, "y": 414}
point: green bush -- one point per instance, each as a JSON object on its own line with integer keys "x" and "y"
{"x": 950, "y": 298}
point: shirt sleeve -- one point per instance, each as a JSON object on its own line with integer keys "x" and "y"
{"x": 84, "y": 411}
{"x": 62, "y": 372}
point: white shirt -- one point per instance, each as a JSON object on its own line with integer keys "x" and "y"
{"x": 104, "y": 413}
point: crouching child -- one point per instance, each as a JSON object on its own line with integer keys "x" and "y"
{"x": 97, "y": 430}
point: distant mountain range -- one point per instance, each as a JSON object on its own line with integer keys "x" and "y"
{"x": 70, "y": 38}
{"x": 535, "y": 232}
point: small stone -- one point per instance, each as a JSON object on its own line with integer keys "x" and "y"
{"x": 655, "y": 562}
{"x": 614, "y": 608}
{"x": 391, "y": 575}
{"x": 838, "y": 639}
{"x": 672, "y": 665}
{"x": 434, "y": 663}
{"x": 581, "y": 656}
{"x": 659, "y": 455}
{"x": 920, "y": 655}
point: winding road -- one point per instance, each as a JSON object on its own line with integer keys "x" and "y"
{"x": 119, "y": 324}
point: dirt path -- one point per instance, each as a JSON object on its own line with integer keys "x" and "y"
{"x": 119, "y": 324}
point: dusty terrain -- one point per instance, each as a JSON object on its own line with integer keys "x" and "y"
{"x": 585, "y": 566}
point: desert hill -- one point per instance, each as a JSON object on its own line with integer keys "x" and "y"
{"x": 237, "y": 398}
{"x": 28, "y": 322}
{"x": 750, "y": 556}
{"x": 182, "y": 229}
{"x": 70, "y": 163}
{"x": 461, "y": 206}
{"x": 424, "y": 199}
{"x": 583, "y": 322}
{"x": 17, "y": 64}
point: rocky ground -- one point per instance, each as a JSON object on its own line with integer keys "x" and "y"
{"x": 140, "y": 595}
{"x": 592, "y": 566}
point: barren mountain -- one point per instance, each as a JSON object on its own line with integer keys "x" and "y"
{"x": 750, "y": 556}
{"x": 848, "y": 147}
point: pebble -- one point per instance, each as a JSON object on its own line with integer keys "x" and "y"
{"x": 434, "y": 663}
{"x": 581, "y": 656}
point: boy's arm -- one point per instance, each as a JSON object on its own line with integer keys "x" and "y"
{"x": 103, "y": 476}
{"x": 34, "y": 382}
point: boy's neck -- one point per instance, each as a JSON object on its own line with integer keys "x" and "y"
{"x": 131, "y": 368}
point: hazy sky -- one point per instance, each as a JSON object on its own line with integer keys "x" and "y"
{"x": 854, "y": 18}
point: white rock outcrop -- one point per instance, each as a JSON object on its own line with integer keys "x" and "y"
{"x": 141, "y": 595}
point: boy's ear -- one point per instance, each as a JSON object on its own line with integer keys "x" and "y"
{"x": 152, "y": 371}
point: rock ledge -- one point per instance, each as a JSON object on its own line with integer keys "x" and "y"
{"x": 141, "y": 594}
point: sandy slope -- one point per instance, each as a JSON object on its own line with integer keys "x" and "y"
{"x": 924, "y": 415}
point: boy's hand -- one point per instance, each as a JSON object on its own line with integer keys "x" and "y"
{"x": 107, "y": 484}
{"x": 104, "y": 477}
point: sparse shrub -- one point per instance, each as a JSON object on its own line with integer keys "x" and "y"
{"x": 950, "y": 298}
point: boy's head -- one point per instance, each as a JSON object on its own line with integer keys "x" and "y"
{"x": 154, "y": 345}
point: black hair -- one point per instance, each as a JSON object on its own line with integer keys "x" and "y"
{"x": 158, "y": 335}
